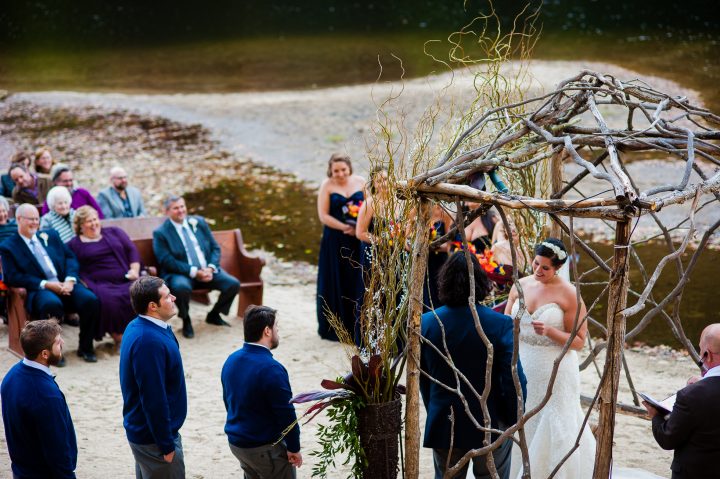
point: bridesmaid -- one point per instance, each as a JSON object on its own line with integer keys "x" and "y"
{"x": 440, "y": 224}
{"x": 339, "y": 273}
{"x": 480, "y": 231}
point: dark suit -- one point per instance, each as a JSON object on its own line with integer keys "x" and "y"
{"x": 22, "y": 270}
{"x": 175, "y": 267}
{"x": 693, "y": 431}
{"x": 469, "y": 355}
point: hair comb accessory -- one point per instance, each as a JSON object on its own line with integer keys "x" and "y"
{"x": 561, "y": 255}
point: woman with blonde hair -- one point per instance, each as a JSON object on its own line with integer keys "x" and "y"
{"x": 43, "y": 161}
{"x": 109, "y": 264}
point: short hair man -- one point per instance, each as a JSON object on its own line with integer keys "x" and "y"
{"x": 38, "y": 428}
{"x": 152, "y": 382}
{"x": 120, "y": 200}
{"x": 43, "y": 265}
{"x": 29, "y": 187}
{"x": 189, "y": 258}
{"x": 62, "y": 175}
{"x": 453, "y": 324}
{"x": 693, "y": 427}
{"x": 256, "y": 392}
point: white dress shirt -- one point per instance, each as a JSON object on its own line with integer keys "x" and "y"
{"x": 195, "y": 245}
{"x": 712, "y": 372}
{"x": 155, "y": 321}
{"x": 37, "y": 365}
{"x": 46, "y": 257}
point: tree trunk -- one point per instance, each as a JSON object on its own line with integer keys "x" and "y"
{"x": 415, "y": 292}
{"x": 617, "y": 300}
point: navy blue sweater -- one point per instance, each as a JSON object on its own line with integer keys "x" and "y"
{"x": 153, "y": 385}
{"x": 256, "y": 391}
{"x": 38, "y": 427}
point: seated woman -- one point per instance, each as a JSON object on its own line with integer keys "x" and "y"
{"x": 109, "y": 263}
{"x": 60, "y": 217}
{"x": 43, "y": 161}
{"x": 8, "y": 226}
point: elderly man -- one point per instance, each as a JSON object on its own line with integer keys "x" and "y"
{"x": 43, "y": 265}
{"x": 29, "y": 187}
{"x": 692, "y": 429}
{"x": 38, "y": 427}
{"x": 120, "y": 200}
{"x": 61, "y": 175}
{"x": 189, "y": 258}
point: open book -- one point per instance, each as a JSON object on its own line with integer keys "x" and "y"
{"x": 665, "y": 406}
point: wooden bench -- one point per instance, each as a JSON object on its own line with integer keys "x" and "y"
{"x": 235, "y": 260}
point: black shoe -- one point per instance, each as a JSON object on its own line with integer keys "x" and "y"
{"x": 87, "y": 357}
{"x": 216, "y": 320}
{"x": 187, "y": 329}
{"x": 61, "y": 363}
{"x": 72, "y": 319}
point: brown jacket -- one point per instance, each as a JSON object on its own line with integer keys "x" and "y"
{"x": 21, "y": 195}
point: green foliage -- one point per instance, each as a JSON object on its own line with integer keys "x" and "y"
{"x": 340, "y": 437}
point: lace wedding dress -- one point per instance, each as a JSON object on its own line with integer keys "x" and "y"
{"x": 552, "y": 432}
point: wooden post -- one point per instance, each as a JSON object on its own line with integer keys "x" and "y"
{"x": 556, "y": 177}
{"x": 617, "y": 301}
{"x": 415, "y": 291}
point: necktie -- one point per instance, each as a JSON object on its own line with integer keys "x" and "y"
{"x": 193, "y": 257}
{"x": 40, "y": 257}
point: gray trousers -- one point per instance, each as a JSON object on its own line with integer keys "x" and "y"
{"x": 149, "y": 462}
{"x": 264, "y": 462}
{"x": 480, "y": 471}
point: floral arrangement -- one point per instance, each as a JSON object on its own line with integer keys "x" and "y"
{"x": 193, "y": 222}
{"x": 44, "y": 237}
{"x": 350, "y": 211}
{"x": 459, "y": 246}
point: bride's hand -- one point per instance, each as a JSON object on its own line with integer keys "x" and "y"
{"x": 540, "y": 328}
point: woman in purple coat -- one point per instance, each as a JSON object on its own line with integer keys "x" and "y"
{"x": 109, "y": 263}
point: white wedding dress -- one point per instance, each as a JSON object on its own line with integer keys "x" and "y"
{"x": 553, "y": 431}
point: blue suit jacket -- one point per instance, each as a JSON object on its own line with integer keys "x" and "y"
{"x": 170, "y": 252}
{"x": 22, "y": 270}
{"x": 469, "y": 355}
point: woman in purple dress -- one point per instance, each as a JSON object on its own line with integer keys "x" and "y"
{"x": 109, "y": 263}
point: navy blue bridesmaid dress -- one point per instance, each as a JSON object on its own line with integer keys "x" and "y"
{"x": 339, "y": 270}
{"x": 436, "y": 260}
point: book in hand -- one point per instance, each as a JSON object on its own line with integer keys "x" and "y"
{"x": 664, "y": 407}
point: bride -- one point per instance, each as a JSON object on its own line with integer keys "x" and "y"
{"x": 551, "y": 308}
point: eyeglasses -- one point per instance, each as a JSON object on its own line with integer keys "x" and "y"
{"x": 33, "y": 219}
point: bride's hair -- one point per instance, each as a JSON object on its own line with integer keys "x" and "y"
{"x": 554, "y": 249}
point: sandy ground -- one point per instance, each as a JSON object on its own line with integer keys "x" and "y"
{"x": 93, "y": 391}
{"x": 273, "y": 128}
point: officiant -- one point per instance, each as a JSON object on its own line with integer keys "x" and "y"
{"x": 692, "y": 429}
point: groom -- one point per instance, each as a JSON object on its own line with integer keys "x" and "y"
{"x": 453, "y": 325}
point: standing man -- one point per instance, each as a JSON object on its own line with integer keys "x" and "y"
{"x": 256, "y": 392}
{"x": 452, "y": 326}
{"x": 38, "y": 427}
{"x": 189, "y": 258}
{"x": 43, "y": 265}
{"x": 152, "y": 382}
{"x": 120, "y": 200}
{"x": 693, "y": 427}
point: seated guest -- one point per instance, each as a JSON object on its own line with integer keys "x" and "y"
{"x": 109, "y": 264}
{"x": 6, "y": 182}
{"x": 63, "y": 176}
{"x": 120, "y": 200}
{"x": 61, "y": 215}
{"x": 7, "y": 224}
{"x": 29, "y": 188}
{"x": 38, "y": 428}
{"x": 189, "y": 258}
{"x": 451, "y": 328}
{"x": 43, "y": 265}
{"x": 43, "y": 161}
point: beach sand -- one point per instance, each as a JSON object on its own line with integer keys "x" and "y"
{"x": 272, "y": 128}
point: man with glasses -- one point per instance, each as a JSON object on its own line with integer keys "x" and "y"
{"x": 42, "y": 264}
{"x": 692, "y": 429}
{"x": 62, "y": 175}
{"x": 121, "y": 200}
